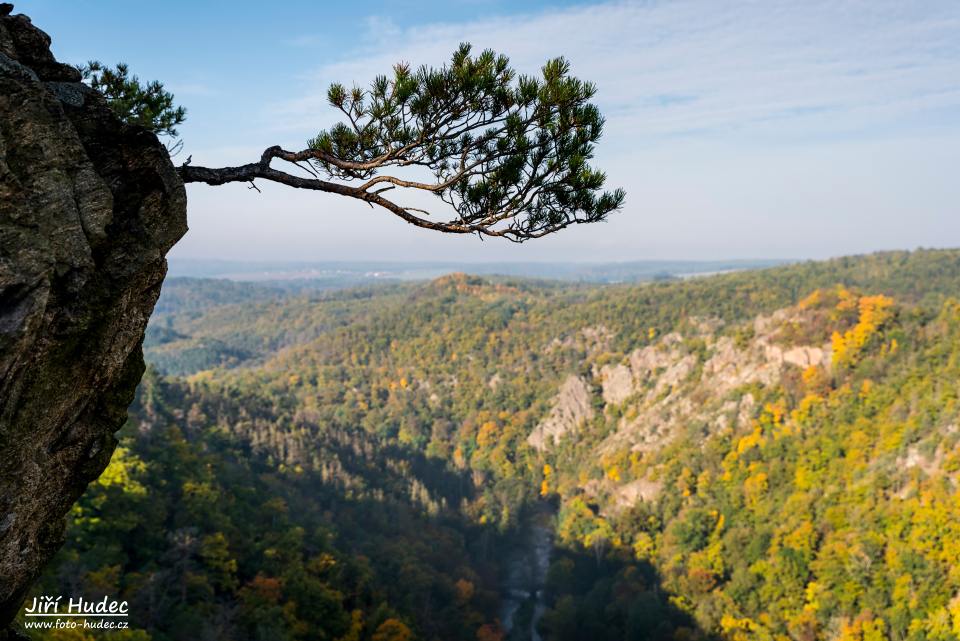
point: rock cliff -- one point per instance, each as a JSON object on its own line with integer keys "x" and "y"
{"x": 703, "y": 379}
{"x": 571, "y": 409}
{"x": 88, "y": 209}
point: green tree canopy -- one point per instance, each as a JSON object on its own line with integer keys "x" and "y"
{"x": 148, "y": 105}
{"x": 508, "y": 153}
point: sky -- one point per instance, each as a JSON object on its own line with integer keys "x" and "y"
{"x": 738, "y": 128}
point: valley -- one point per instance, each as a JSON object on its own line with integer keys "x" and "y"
{"x": 767, "y": 454}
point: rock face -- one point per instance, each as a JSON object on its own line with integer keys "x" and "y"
{"x": 617, "y": 383}
{"x": 571, "y": 408}
{"x": 88, "y": 209}
{"x": 659, "y": 381}
{"x": 696, "y": 384}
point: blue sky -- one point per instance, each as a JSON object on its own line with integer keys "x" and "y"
{"x": 738, "y": 128}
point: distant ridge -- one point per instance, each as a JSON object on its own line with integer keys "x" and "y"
{"x": 359, "y": 272}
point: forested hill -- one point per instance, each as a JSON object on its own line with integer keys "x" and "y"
{"x": 760, "y": 455}
{"x": 204, "y": 323}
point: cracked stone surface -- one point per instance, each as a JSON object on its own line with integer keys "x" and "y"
{"x": 89, "y": 207}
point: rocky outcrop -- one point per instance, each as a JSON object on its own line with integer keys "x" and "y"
{"x": 572, "y": 407}
{"x": 617, "y": 381}
{"x": 629, "y": 494}
{"x": 88, "y": 209}
{"x": 656, "y": 385}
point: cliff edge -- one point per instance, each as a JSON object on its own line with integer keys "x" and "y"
{"x": 88, "y": 209}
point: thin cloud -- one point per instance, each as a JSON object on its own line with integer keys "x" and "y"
{"x": 706, "y": 68}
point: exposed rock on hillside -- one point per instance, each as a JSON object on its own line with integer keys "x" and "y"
{"x": 572, "y": 407}
{"x": 617, "y": 383}
{"x": 665, "y": 372}
{"x": 657, "y": 392}
{"x": 88, "y": 209}
{"x": 631, "y": 493}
